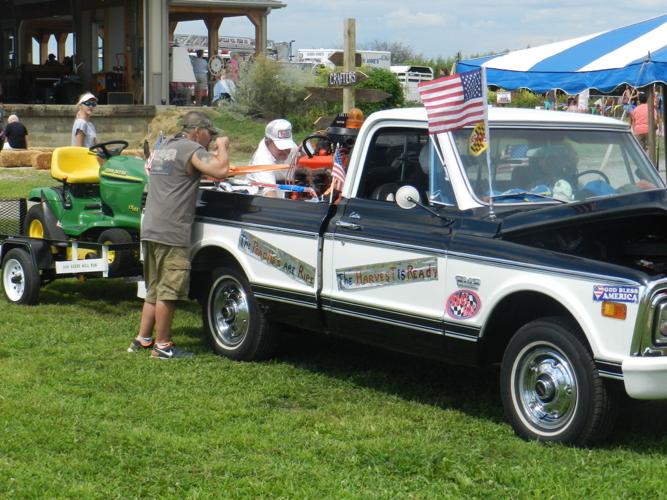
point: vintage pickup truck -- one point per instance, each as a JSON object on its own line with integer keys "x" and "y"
{"x": 548, "y": 259}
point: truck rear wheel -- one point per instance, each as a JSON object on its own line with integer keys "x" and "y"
{"x": 233, "y": 320}
{"x": 20, "y": 277}
{"x": 550, "y": 388}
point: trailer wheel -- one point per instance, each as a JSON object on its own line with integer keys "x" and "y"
{"x": 119, "y": 260}
{"x": 550, "y": 388}
{"x": 20, "y": 277}
{"x": 235, "y": 324}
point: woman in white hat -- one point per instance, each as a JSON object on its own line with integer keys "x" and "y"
{"x": 83, "y": 130}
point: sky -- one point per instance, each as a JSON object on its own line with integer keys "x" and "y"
{"x": 441, "y": 28}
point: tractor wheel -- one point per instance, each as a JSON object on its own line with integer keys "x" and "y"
{"x": 20, "y": 277}
{"x": 35, "y": 223}
{"x": 40, "y": 223}
{"x": 119, "y": 260}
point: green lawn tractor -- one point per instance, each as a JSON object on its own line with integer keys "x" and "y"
{"x": 94, "y": 203}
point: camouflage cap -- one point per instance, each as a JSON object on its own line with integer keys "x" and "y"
{"x": 194, "y": 119}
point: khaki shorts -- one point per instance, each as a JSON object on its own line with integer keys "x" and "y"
{"x": 166, "y": 271}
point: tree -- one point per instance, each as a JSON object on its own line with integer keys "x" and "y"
{"x": 401, "y": 53}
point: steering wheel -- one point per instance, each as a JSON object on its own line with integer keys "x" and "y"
{"x": 596, "y": 172}
{"x": 315, "y": 136}
{"x": 104, "y": 153}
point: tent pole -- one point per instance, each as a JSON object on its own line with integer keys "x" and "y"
{"x": 651, "y": 124}
{"x": 664, "y": 121}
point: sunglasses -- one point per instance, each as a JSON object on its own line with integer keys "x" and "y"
{"x": 90, "y": 104}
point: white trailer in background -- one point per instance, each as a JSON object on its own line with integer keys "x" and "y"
{"x": 410, "y": 77}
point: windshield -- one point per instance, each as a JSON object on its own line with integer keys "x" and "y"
{"x": 549, "y": 165}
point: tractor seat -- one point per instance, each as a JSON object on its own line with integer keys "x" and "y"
{"x": 75, "y": 165}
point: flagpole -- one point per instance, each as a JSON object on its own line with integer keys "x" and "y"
{"x": 487, "y": 131}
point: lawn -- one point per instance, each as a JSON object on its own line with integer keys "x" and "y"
{"x": 326, "y": 418}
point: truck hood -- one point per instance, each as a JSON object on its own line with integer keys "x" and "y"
{"x": 628, "y": 230}
{"x": 613, "y": 207}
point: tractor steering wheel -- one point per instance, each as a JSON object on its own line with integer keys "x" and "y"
{"x": 104, "y": 153}
{"x": 306, "y": 148}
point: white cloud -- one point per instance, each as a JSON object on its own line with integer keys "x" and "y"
{"x": 402, "y": 18}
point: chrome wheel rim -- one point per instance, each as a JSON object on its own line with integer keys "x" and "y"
{"x": 13, "y": 279}
{"x": 545, "y": 387}
{"x": 229, "y": 312}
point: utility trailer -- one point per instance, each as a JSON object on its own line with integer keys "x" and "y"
{"x": 28, "y": 263}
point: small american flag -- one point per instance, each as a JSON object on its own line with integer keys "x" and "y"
{"x": 454, "y": 101}
{"x": 338, "y": 172}
{"x": 156, "y": 146}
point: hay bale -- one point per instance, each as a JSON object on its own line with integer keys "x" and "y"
{"x": 134, "y": 152}
{"x": 42, "y": 161}
{"x": 10, "y": 158}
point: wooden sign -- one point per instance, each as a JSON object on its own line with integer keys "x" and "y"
{"x": 346, "y": 78}
{"x": 337, "y": 58}
{"x": 333, "y": 94}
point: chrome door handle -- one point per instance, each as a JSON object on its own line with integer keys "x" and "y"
{"x": 347, "y": 225}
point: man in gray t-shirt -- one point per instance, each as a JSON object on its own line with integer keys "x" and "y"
{"x": 166, "y": 227}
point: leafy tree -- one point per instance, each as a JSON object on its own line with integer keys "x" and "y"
{"x": 269, "y": 90}
{"x": 381, "y": 79}
{"x": 401, "y": 53}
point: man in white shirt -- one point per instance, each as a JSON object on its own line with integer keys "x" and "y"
{"x": 277, "y": 147}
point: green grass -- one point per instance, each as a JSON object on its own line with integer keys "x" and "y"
{"x": 326, "y": 418}
{"x": 80, "y": 417}
{"x": 17, "y": 182}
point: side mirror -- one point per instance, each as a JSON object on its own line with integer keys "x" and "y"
{"x": 407, "y": 197}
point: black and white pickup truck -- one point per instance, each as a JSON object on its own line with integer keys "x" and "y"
{"x": 551, "y": 262}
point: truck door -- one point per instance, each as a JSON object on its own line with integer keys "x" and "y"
{"x": 384, "y": 266}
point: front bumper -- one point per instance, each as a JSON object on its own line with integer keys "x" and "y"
{"x": 645, "y": 377}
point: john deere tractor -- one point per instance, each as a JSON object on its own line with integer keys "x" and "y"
{"x": 98, "y": 203}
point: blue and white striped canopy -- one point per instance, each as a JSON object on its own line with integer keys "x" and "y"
{"x": 635, "y": 54}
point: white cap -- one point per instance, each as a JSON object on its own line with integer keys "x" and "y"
{"x": 86, "y": 97}
{"x": 280, "y": 133}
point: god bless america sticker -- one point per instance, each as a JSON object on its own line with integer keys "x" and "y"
{"x": 463, "y": 304}
{"x": 606, "y": 293}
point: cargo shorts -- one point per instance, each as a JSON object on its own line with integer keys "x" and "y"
{"x": 166, "y": 271}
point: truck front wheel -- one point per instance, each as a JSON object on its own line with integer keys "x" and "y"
{"x": 235, "y": 324}
{"x": 550, "y": 388}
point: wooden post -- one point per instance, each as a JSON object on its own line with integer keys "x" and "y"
{"x": 61, "y": 38}
{"x": 43, "y": 47}
{"x": 213, "y": 24}
{"x": 349, "y": 51}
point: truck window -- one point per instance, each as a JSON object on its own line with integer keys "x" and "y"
{"x": 402, "y": 156}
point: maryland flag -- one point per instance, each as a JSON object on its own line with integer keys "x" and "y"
{"x": 478, "y": 142}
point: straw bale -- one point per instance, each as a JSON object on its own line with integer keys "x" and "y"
{"x": 16, "y": 158}
{"x": 42, "y": 160}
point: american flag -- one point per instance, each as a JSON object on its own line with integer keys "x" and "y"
{"x": 156, "y": 146}
{"x": 338, "y": 172}
{"x": 454, "y": 101}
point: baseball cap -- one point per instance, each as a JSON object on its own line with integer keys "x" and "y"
{"x": 194, "y": 119}
{"x": 86, "y": 97}
{"x": 280, "y": 133}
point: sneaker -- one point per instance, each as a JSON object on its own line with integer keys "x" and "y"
{"x": 169, "y": 352}
{"x": 139, "y": 345}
